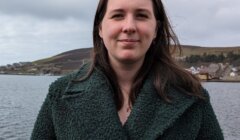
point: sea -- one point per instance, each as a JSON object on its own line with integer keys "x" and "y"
{"x": 22, "y": 96}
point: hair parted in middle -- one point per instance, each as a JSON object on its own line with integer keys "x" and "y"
{"x": 158, "y": 60}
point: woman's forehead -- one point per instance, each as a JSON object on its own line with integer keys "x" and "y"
{"x": 114, "y": 5}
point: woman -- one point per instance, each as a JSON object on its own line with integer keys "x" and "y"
{"x": 133, "y": 89}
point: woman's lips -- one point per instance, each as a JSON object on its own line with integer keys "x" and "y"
{"x": 129, "y": 42}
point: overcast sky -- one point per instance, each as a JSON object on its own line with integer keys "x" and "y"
{"x": 32, "y": 30}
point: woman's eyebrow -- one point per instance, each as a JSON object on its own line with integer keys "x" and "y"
{"x": 143, "y": 10}
{"x": 137, "y": 10}
{"x": 116, "y": 10}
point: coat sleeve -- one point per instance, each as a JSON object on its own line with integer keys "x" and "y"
{"x": 210, "y": 128}
{"x": 43, "y": 128}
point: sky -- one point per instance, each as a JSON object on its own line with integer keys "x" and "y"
{"x": 32, "y": 30}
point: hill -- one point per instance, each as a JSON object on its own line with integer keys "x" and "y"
{"x": 197, "y": 50}
{"x": 71, "y": 60}
{"x": 67, "y": 61}
{"x": 80, "y": 54}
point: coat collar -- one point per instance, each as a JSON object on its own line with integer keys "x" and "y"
{"x": 150, "y": 115}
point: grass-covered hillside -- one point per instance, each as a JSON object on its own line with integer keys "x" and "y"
{"x": 72, "y": 60}
{"x": 197, "y": 50}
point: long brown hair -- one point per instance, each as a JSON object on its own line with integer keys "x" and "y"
{"x": 158, "y": 60}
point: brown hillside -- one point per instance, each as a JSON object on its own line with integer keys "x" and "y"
{"x": 68, "y": 60}
{"x": 197, "y": 50}
{"x": 73, "y": 59}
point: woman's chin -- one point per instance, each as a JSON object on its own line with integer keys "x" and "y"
{"x": 129, "y": 59}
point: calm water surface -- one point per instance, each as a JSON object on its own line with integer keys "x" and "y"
{"x": 22, "y": 96}
{"x": 20, "y": 101}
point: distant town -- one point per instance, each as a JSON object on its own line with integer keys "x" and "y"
{"x": 214, "y": 71}
{"x": 217, "y": 72}
{"x": 29, "y": 68}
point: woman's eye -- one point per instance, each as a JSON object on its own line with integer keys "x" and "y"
{"x": 117, "y": 16}
{"x": 142, "y": 16}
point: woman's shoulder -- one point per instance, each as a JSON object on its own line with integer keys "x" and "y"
{"x": 58, "y": 87}
{"x": 204, "y": 103}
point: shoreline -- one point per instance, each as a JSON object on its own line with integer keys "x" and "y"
{"x": 224, "y": 81}
{"x": 212, "y": 80}
{"x": 31, "y": 74}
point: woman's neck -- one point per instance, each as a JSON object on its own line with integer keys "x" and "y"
{"x": 126, "y": 73}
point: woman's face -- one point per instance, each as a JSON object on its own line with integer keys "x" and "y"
{"x": 127, "y": 29}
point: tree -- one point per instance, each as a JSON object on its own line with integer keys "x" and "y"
{"x": 220, "y": 58}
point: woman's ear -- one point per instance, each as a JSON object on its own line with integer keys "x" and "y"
{"x": 157, "y": 27}
{"x": 155, "y": 35}
{"x": 100, "y": 30}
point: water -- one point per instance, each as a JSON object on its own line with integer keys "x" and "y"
{"x": 225, "y": 99}
{"x": 22, "y": 96}
{"x": 20, "y": 101}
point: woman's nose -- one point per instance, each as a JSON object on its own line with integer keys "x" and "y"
{"x": 129, "y": 26}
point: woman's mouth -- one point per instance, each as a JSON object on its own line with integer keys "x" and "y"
{"x": 129, "y": 40}
{"x": 129, "y": 43}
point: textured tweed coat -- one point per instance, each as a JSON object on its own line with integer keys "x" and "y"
{"x": 86, "y": 111}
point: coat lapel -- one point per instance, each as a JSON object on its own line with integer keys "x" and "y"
{"x": 149, "y": 118}
{"x": 91, "y": 102}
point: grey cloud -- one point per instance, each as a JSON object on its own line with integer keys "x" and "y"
{"x": 50, "y": 8}
{"x": 205, "y": 22}
{"x": 31, "y": 30}
{"x": 25, "y": 38}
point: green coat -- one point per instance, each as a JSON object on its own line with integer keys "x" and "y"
{"x": 86, "y": 110}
